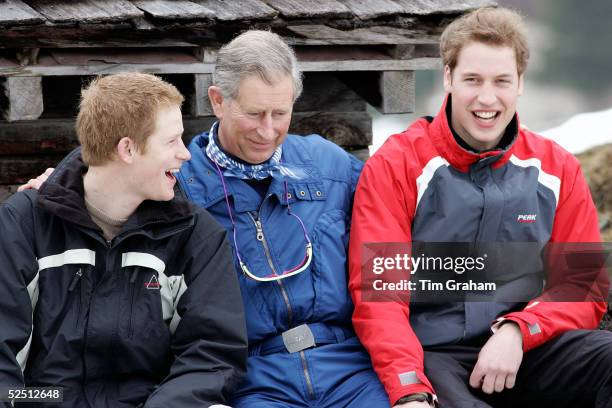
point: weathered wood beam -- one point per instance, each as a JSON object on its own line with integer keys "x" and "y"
{"x": 145, "y": 33}
{"x": 23, "y": 98}
{"x": 57, "y": 136}
{"x": 334, "y": 64}
{"x": 17, "y": 12}
{"x": 200, "y": 104}
{"x": 86, "y": 11}
{"x": 367, "y": 9}
{"x": 424, "y": 7}
{"x": 310, "y": 8}
{"x": 235, "y": 10}
{"x": 397, "y": 89}
{"x": 316, "y": 34}
{"x": 342, "y": 128}
{"x": 206, "y": 54}
{"x": 38, "y": 137}
{"x": 173, "y": 9}
{"x": 19, "y": 169}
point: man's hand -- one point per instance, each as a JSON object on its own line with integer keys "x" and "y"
{"x": 37, "y": 182}
{"x": 413, "y": 404}
{"x": 499, "y": 360}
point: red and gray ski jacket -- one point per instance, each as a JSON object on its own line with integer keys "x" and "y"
{"x": 423, "y": 186}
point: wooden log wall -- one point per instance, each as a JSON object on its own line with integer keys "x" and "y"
{"x": 327, "y": 107}
{"x": 353, "y": 52}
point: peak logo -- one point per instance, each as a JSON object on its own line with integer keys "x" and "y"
{"x": 530, "y": 218}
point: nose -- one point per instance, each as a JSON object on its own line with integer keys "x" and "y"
{"x": 266, "y": 127}
{"x": 486, "y": 96}
{"x": 183, "y": 153}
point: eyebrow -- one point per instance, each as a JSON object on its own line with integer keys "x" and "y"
{"x": 469, "y": 74}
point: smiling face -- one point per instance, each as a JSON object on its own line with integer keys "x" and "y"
{"x": 152, "y": 171}
{"x": 255, "y": 123}
{"x": 485, "y": 87}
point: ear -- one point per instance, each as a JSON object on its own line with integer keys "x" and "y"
{"x": 448, "y": 79}
{"x": 521, "y": 82}
{"x": 126, "y": 150}
{"x": 216, "y": 100}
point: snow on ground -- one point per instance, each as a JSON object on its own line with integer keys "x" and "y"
{"x": 583, "y": 131}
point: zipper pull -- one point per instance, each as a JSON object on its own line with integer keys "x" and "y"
{"x": 260, "y": 235}
{"x": 134, "y": 273}
{"x": 74, "y": 281}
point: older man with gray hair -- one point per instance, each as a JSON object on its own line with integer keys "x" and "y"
{"x": 286, "y": 201}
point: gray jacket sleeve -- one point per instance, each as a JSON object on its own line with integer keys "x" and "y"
{"x": 210, "y": 341}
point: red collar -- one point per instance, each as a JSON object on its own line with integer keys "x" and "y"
{"x": 458, "y": 157}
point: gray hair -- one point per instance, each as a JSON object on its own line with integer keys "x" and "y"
{"x": 255, "y": 52}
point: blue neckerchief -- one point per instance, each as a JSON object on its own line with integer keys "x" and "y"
{"x": 270, "y": 168}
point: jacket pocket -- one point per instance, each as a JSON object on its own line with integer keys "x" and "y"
{"x": 76, "y": 290}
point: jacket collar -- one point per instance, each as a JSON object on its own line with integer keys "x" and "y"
{"x": 460, "y": 158}
{"x": 204, "y": 184}
{"x": 63, "y": 195}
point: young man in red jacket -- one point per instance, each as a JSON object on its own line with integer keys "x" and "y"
{"x": 472, "y": 174}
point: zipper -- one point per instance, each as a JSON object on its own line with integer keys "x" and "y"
{"x": 77, "y": 277}
{"x": 132, "y": 286}
{"x": 261, "y": 238}
{"x": 311, "y": 392}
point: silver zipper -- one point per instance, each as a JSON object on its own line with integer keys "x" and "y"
{"x": 261, "y": 238}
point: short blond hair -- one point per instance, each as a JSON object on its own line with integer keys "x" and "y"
{"x": 117, "y": 106}
{"x": 492, "y": 26}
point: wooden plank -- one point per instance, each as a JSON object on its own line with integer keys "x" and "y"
{"x": 310, "y": 8}
{"x": 13, "y": 12}
{"x": 367, "y": 9}
{"x": 27, "y": 56}
{"x": 424, "y": 7}
{"x": 117, "y": 56}
{"x": 86, "y": 10}
{"x": 39, "y": 137}
{"x": 45, "y": 137}
{"x": 200, "y": 105}
{"x": 403, "y": 51}
{"x": 28, "y": 148}
{"x": 342, "y": 128}
{"x": 427, "y": 50}
{"x": 384, "y": 63}
{"x": 233, "y": 10}
{"x": 24, "y": 98}
{"x": 325, "y": 35}
{"x": 49, "y": 36}
{"x": 397, "y": 90}
{"x": 19, "y": 169}
{"x": 173, "y": 9}
{"x": 206, "y": 54}
{"x": 324, "y": 91}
